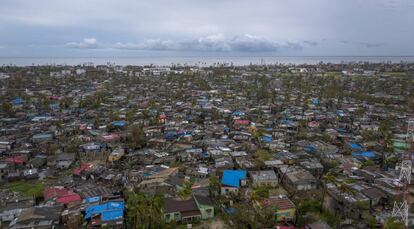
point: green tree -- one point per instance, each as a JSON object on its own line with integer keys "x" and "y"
{"x": 144, "y": 211}
{"x": 266, "y": 216}
{"x": 215, "y": 186}
{"x": 368, "y": 163}
{"x": 260, "y": 193}
{"x": 72, "y": 147}
{"x": 372, "y": 222}
{"x": 345, "y": 189}
{"x": 130, "y": 115}
{"x": 136, "y": 137}
{"x": 186, "y": 190}
{"x": 393, "y": 223}
{"x": 7, "y": 108}
{"x": 244, "y": 217}
{"x": 262, "y": 155}
{"x": 307, "y": 206}
{"x": 329, "y": 177}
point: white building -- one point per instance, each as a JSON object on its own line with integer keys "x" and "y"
{"x": 157, "y": 71}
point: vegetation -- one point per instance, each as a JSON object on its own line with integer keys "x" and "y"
{"x": 136, "y": 137}
{"x": 215, "y": 186}
{"x": 248, "y": 217}
{"x": 262, "y": 155}
{"x": 7, "y": 108}
{"x": 26, "y": 188}
{"x": 186, "y": 190}
{"x": 393, "y": 223}
{"x": 144, "y": 211}
{"x": 260, "y": 193}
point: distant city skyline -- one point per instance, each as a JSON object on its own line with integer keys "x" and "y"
{"x": 216, "y": 27}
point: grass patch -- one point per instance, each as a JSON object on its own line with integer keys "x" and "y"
{"x": 26, "y": 188}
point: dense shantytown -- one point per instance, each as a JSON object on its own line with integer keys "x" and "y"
{"x": 221, "y": 146}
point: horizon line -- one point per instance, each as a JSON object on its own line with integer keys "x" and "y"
{"x": 247, "y": 56}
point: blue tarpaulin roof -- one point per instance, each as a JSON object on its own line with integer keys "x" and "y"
{"x": 340, "y": 113}
{"x": 355, "y": 146}
{"x": 17, "y": 101}
{"x": 112, "y": 215}
{"x": 311, "y": 148}
{"x": 239, "y": 113}
{"x": 288, "y": 122}
{"x": 267, "y": 138}
{"x": 170, "y": 135}
{"x": 112, "y": 206}
{"x": 367, "y": 154}
{"x": 92, "y": 199}
{"x": 184, "y": 133}
{"x": 233, "y": 177}
{"x": 119, "y": 123}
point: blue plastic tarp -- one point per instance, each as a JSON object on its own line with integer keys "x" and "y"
{"x": 340, "y": 113}
{"x": 366, "y": 154}
{"x": 233, "y": 177}
{"x": 119, "y": 123}
{"x": 355, "y": 146}
{"x": 105, "y": 207}
{"x": 267, "y": 138}
{"x": 17, "y": 101}
{"x": 311, "y": 148}
{"x": 239, "y": 113}
{"x": 92, "y": 199}
{"x": 112, "y": 215}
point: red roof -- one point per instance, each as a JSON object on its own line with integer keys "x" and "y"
{"x": 83, "y": 167}
{"x": 241, "y": 122}
{"x": 163, "y": 117}
{"x": 110, "y": 137}
{"x": 70, "y": 198}
{"x": 16, "y": 159}
{"x": 280, "y": 203}
{"x": 62, "y": 195}
{"x": 313, "y": 124}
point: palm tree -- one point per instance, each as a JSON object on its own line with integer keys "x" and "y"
{"x": 327, "y": 178}
{"x": 214, "y": 187}
{"x": 144, "y": 211}
{"x": 286, "y": 170}
{"x": 186, "y": 190}
{"x": 344, "y": 189}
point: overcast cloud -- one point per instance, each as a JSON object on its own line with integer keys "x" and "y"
{"x": 218, "y": 43}
{"x": 86, "y": 43}
{"x": 294, "y": 27}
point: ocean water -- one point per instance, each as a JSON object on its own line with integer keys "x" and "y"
{"x": 199, "y": 60}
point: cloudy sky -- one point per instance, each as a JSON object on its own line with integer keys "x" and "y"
{"x": 206, "y": 27}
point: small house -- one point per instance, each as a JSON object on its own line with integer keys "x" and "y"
{"x": 232, "y": 180}
{"x": 264, "y": 178}
{"x": 285, "y": 209}
{"x": 181, "y": 210}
